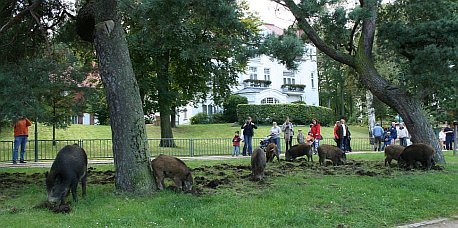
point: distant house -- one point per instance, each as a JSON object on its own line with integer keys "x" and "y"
{"x": 266, "y": 81}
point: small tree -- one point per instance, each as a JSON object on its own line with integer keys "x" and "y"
{"x": 230, "y": 107}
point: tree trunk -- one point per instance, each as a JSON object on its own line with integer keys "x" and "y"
{"x": 165, "y": 101}
{"x": 173, "y": 117}
{"x": 130, "y": 148}
{"x": 409, "y": 108}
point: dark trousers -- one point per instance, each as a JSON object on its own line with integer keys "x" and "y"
{"x": 378, "y": 143}
{"x": 448, "y": 142}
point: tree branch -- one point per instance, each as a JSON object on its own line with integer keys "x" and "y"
{"x": 368, "y": 29}
{"x": 313, "y": 35}
{"x": 18, "y": 17}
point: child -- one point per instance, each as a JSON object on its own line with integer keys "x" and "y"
{"x": 310, "y": 139}
{"x": 386, "y": 139}
{"x": 300, "y": 137}
{"x": 236, "y": 143}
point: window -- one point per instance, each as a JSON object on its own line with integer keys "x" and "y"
{"x": 289, "y": 80}
{"x": 270, "y": 100}
{"x": 210, "y": 110}
{"x": 293, "y": 81}
{"x": 288, "y": 77}
{"x": 267, "y": 74}
{"x": 253, "y": 71}
{"x": 312, "y": 81}
{"x": 204, "y": 109}
{"x": 284, "y": 80}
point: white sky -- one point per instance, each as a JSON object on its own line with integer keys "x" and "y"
{"x": 271, "y": 12}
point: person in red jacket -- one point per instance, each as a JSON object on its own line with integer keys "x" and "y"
{"x": 336, "y": 135}
{"x": 236, "y": 143}
{"x": 21, "y": 134}
{"x": 316, "y": 132}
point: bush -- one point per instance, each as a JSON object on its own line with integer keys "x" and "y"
{"x": 297, "y": 113}
{"x": 230, "y": 107}
{"x": 204, "y": 118}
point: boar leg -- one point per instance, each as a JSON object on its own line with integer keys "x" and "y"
{"x": 73, "y": 187}
{"x": 178, "y": 183}
{"x": 83, "y": 184}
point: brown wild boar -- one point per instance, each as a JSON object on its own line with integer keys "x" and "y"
{"x": 418, "y": 152}
{"x": 272, "y": 152}
{"x": 258, "y": 164}
{"x": 393, "y": 152}
{"x": 333, "y": 153}
{"x": 298, "y": 151}
{"x": 172, "y": 167}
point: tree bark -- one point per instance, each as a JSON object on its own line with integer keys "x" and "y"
{"x": 173, "y": 117}
{"x": 409, "y": 108}
{"x": 370, "y": 111}
{"x": 130, "y": 148}
{"x": 165, "y": 101}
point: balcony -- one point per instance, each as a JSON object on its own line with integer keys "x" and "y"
{"x": 293, "y": 88}
{"x": 257, "y": 83}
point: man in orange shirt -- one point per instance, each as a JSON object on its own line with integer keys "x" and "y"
{"x": 21, "y": 134}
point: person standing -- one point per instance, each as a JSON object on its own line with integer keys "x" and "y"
{"x": 236, "y": 143}
{"x": 287, "y": 128}
{"x": 300, "y": 137}
{"x": 21, "y": 135}
{"x": 275, "y": 135}
{"x": 394, "y": 132}
{"x": 377, "y": 132}
{"x": 448, "y": 137}
{"x": 442, "y": 138}
{"x": 402, "y": 135}
{"x": 344, "y": 135}
{"x": 248, "y": 133}
{"x": 336, "y": 136}
{"x": 316, "y": 132}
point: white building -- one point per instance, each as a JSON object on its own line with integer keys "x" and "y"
{"x": 266, "y": 81}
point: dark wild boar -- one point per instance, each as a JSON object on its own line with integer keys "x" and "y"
{"x": 333, "y": 153}
{"x": 418, "y": 152}
{"x": 393, "y": 152}
{"x": 258, "y": 164}
{"x": 173, "y": 168}
{"x": 272, "y": 152}
{"x": 299, "y": 150}
{"x": 69, "y": 167}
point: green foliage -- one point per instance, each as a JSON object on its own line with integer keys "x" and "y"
{"x": 288, "y": 48}
{"x": 297, "y": 113}
{"x": 230, "y": 107}
{"x": 421, "y": 40}
{"x": 204, "y": 118}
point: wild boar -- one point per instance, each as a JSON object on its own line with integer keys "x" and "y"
{"x": 69, "y": 167}
{"x": 258, "y": 164}
{"x": 272, "y": 152}
{"x": 173, "y": 168}
{"x": 298, "y": 151}
{"x": 393, "y": 152}
{"x": 418, "y": 152}
{"x": 333, "y": 153}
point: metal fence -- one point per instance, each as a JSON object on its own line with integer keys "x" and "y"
{"x": 102, "y": 148}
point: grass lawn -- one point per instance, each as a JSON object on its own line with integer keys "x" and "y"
{"x": 362, "y": 193}
{"x": 182, "y": 131}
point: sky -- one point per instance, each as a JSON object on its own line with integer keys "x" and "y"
{"x": 271, "y": 12}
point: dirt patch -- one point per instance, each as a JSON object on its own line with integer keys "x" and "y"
{"x": 210, "y": 179}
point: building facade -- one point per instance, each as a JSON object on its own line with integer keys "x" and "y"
{"x": 267, "y": 81}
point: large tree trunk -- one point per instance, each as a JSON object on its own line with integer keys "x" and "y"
{"x": 165, "y": 101}
{"x": 173, "y": 117}
{"x": 130, "y": 148}
{"x": 409, "y": 108}
{"x": 370, "y": 111}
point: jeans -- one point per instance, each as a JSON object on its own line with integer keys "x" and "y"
{"x": 236, "y": 150}
{"x": 248, "y": 139}
{"x": 448, "y": 142}
{"x": 403, "y": 141}
{"x": 19, "y": 140}
{"x": 343, "y": 143}
{"x": 316, "y": 144}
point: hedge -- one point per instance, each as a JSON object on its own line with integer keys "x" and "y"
{"x": 298, "y": 113}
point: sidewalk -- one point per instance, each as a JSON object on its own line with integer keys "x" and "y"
{"x": 48, "y": 163}
{"x": 436, "y": 223}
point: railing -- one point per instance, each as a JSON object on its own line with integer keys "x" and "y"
{"x": 103, "y": 149}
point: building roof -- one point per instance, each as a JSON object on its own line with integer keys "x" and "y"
{"x": 275, "y": 29}
{"x": 250, "y": 90}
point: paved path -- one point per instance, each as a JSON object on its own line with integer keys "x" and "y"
{"x": 435, "y": 223}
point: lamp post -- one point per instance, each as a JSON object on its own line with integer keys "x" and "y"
{"x": 455, "y": 124}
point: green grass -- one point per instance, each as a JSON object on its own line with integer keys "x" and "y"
{"x": 182, "y": 131}
{"x": 297, "y": 199}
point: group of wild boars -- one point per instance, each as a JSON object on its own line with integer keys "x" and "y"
{"x": 418, "y": 152}
{"x": 333, "y": 153}
{"x": 172, "y": 167}
{"x": 409, "y": 156}
{"x": 272, "y": 152}
{"x": 393, "y": 152}
{"x": 299, "y": 150}
{"x": 69, "y": 167}
{"x": 258, "y": 164}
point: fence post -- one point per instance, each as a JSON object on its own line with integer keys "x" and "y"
{"x": 191, "y": 147}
